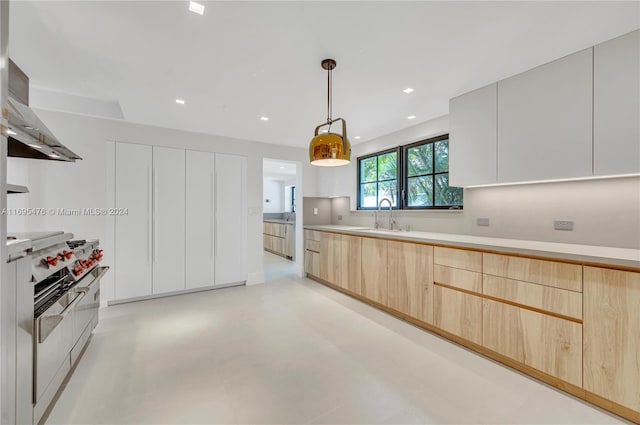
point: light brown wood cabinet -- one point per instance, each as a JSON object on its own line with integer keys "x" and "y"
{"x": 338, "y": 259}
{"x": 540, "y": 297}
{"x": 278, "y": 238}
{"x": 458, "y": 313}
{"x": 612, "y": 335}
{"x": 542, "y": 272}
{"x": 457, "y": 275}
{"x": 351, "y": 263}
{"x": 574, "y": 326}
{"x": 374, "y": 269}
{"x": 544, "y": 342}
{"x": 410, "y": 279}
{"x": 331, "y": 258}
{"x": 458, "y": 258}
{"x": 312, "y": 263}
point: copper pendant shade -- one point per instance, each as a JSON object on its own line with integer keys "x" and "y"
{"x": 330, "y": 149}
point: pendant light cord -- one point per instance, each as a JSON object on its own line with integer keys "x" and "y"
{"x": 329, "y": 100}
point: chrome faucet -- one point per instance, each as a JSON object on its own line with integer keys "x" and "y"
{"x": 390, "y": 212}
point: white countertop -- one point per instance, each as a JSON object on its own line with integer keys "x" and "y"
{"x": 279, "y": 220}
{"x": 588, "y": 254}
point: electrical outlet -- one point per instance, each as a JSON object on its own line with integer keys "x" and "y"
{"x": 563, "y": 225}
{"x": 482, "y": 221}
{"x": 339, "y": 217}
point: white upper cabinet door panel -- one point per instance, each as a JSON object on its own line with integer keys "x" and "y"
{"x": 616, "y": 103}
{"x": 133, "y": 231}
{"x": 199, "y": 226}
{"x": 472, "y": 137}
{"x": 169, "y": 220}
{"x": 230, "y": 213}
{"x": 545, "y": 121}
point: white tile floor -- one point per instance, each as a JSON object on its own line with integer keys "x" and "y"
{"x": 292, "y": 351}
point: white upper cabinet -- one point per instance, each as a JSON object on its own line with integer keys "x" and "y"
{"x": 168, "y": 219}
{"x": 230, "y": 213}
{"x": 133, "y": 231}
{"x": 472, "y": 137}
{"x": 616, "y": 97}
{"x": 545, "y": 121}
{"x": 199, "y": 226}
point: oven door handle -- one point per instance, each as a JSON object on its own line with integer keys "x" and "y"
{"x": 101, "y": 272}
{"x": 49, "y": 323}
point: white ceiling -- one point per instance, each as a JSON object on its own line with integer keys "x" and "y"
{"x": 243, "y": 60}
{"x": 273, "y": 169}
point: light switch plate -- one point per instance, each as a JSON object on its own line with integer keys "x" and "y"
{"x": 563, "y": 224}
{"x": 482, "y": 221}
{"x": 315, "y": 211}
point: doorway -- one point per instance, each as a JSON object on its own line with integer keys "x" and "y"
{"x": 281, "y": 205}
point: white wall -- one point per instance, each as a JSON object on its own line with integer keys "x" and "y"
{"x": 84, "y": 183}
{"x": 606, "y": 212}
{"x": 273, "y": 196}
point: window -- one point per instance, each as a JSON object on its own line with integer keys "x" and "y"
{"x": 378, "y": 178}
{"x": 293, "y": 199}
{"x": 424, "y": 183}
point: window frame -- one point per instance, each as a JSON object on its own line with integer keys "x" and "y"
{"x": 402, "y": 176}
{"x": 398, "y": 177}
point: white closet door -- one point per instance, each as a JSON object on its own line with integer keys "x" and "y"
{"x": 230, "y": 219}
{"x": 168, "y": 219}
{"x": 133, "y": 231}
{"x": 199, "y": 227}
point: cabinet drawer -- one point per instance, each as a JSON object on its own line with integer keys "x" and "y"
{"x": 458, "y": 313}
{"x": 554, "y": 300}
{"x": 546, "y": 343}
{"x": 549, "y": 273}
{"x": 458, "y": 258}
{"x": 463, "y": 279}
{"x": 312, "y": 263}
{"x": 313, "y": 235}
{"x": 312, "y": 245}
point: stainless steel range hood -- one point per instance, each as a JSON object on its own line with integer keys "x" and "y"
{"x": 27, "y": 134}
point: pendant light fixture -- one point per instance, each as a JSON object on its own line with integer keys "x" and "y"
{"x": 330, "y": 149}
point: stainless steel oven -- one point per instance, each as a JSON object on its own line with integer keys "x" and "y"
{"x": 66, "y": 298}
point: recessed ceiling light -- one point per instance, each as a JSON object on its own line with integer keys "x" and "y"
{"x": 196, "y": 8}
{"x": 357, "y": 137}
{"x": 411, "y": 117}
{"x": 408, "y": 90}
{"x": 282, "y": 168}
{"x": 11, "y": 132}
{"x": 180, "y": 101}
{"x": 264, "y": 118}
